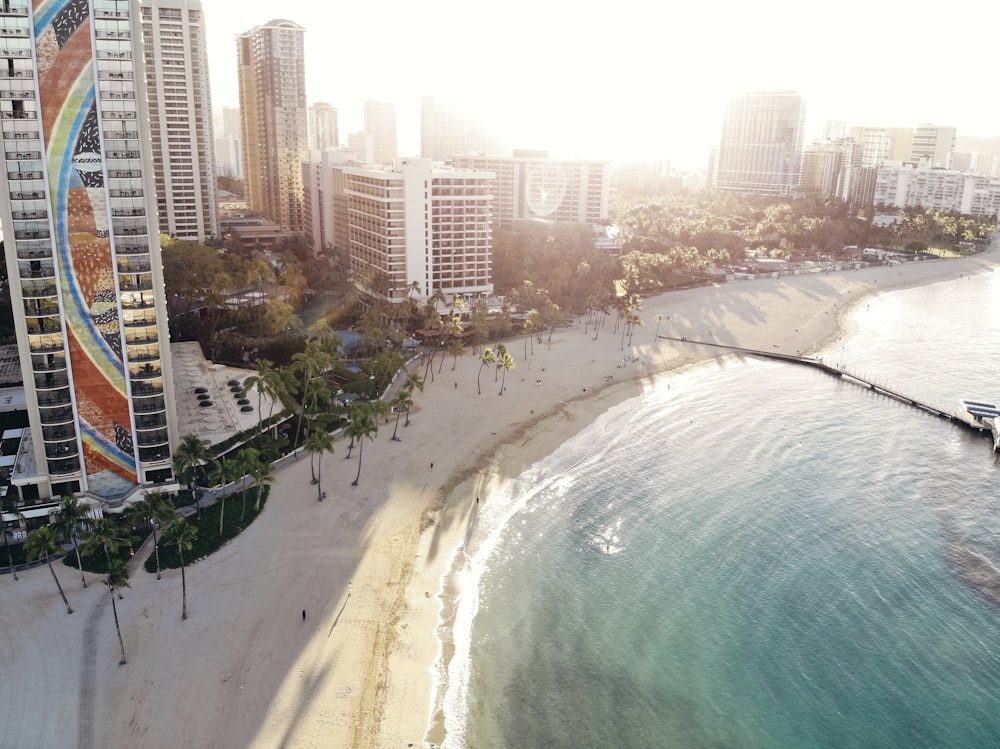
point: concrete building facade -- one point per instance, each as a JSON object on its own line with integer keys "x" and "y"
{"x": 180, "y": 118}
{"x": 761, "y": 146}
{"x": 324, "y": 128}
{"x": 419, "y": 226}
{"x": 380, "y": 126}
{"x": 907, "y": 185}
{"x": 933, "y": 144}
{"x": 271, "y": 67}
{"x": 529, "y": 185}
{"x": 83, "y": 256}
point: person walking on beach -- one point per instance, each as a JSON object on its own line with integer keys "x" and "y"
{"x": 303, "y": 614}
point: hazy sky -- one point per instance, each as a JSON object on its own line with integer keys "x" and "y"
{"x": 630, "y": 79}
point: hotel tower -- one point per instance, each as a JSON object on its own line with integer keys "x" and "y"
{"x": 82, "y": 248}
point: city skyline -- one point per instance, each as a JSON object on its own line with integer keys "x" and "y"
{"x": 653, "y": 85}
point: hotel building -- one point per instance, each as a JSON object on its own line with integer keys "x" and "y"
{"x": 421, "y": 224}
{"x": 82, "y": 247}
{"x": 529, "y": 185}
{"x": 180, "y": 118}
{"x": 761, "y": 146}
{"x": 275, "y": 130}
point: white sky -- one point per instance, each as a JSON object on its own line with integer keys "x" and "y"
{"x": 633, "y": 78}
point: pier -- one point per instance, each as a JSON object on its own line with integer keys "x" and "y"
{"x": 976, "y": 424}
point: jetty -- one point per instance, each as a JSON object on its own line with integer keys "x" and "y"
{"x": 976, "y": 415}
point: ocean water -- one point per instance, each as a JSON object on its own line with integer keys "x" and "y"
{"x": 757, "y": 555}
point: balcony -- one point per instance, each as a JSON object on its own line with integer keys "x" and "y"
{"x": 34, "y": 290}
{"x": 154, "y": 454}
{"x": 142, "y": 389}
{"x": 148, "y": 405}
{"x": 64, "y": 467}
{"x": 143, "y": 303}
{"x": 151, "y": 422}
{"x": 54, "y": 398}
{"x": 140, "y": 340}
{"x": 148, "y": 439}
{"x": 29, "y": 195}
{"x": 134, "y": 266}
{"x": 143, "y": 355}
{"x": 146, "y": 372}
{"x": 58, "y": 433}
{"x": 22, "y": 156}
{"x": 48, "y": 364}
{"x": 60, "y": 415}
{"x": 41, "y": 234}
{"x": 51, "y": 381}
{"x": 40, "y": 271}
{"x": 125, "y": 193}
{"x": 43, "y": 326}
{"x": 128, "y": 211}
{"x": 124, "y": 173}
{"x": 25, "y": 175}
{"x": 33, "y": 254}
{"x": 133, "y": 249}
{"x": 141, "y": 284}
{"x": 45, "y": 345}
{"x": 139, "y": 322}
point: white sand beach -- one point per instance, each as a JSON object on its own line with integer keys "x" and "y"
{"x": 245, "y": 669}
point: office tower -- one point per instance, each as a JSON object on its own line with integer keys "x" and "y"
{"x": 445, "y": 130}
{"x": 362, "y": 145}
{"x": 761, "y": 146}
{"x": 879, "y": 144}
{"x": 271, "y": 70}
{"x": 83, "y": 253}
{"x": 180, "y": 118}
{"x": 530, "y": 185}
{"x": 323, "y": 127}
{"x": 390, "y": 248}
{"x": 228, "y": 143}
{"x": 933, "y": 143}
{"x": 324, "y": 186}
{"x": 380, "y": 124}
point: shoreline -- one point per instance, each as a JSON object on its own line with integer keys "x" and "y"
{"x": 246, "y": 669}
{"x": 611, "y": 394}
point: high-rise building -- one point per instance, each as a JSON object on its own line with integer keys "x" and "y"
{"x": 275, "y": 132}
{"x": 323, "y": 127}
{"x": 83, "y": 255}
{"x": 822, "y": 163}
{"x": 761, "y": 146}
{"x": 879, "y": 144}
{"x": 907, "y": 185}
{"x": 362, "y": 145}
{"x": 228, "y": 143}
{"x": 180, "y": 118}
{"x": 530, "y": 185}
{"x": 446, "y": 130}
{"x": 933, "y": 144}
{"x": 380, "y": 124}
{"x": 419, "y": 224}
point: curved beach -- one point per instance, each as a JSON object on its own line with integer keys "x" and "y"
{"x": 366, "y": 564}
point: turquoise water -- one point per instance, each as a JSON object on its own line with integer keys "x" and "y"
{"x": 755, "y": 556}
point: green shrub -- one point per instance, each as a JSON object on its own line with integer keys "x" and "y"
{"x": 208, "y": 539}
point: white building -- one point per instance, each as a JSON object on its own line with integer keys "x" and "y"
{"x": 380, "y": 124}
{"x": 934, "y": 144}
{"x": 906, "y": 185}
{"x": 419, "y": 224}
{"x": 180, "y": 118}
{"x": 530, "y": 185}
{"x": 446, "y": 130}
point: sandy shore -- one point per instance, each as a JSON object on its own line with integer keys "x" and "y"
{"x": 245, "y": 669}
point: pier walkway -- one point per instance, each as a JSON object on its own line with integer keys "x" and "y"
{"x": 987, "y": 425}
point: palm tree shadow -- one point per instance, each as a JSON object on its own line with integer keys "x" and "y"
{"x": 337, "y": 618}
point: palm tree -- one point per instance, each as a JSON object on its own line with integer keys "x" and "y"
{"x": 246, "y": 460}
{"x": 183, "y": 534}
{"x": 262, "y": 473}
{"x": 413, "y": 382}
{"x": 43, "y": 543}
{"x": 104, "y": 534}
{"x": 268, "y": 381}
{"x": 401, "y": 402}
{"x": 361, "y": 426}
{"x": 506, "y": 361}
{"x": 71, "y": 512}
{"x": 318, "y": 442}
{"x": 310, "y": 363}
{"x": 8, "y": 505}
{"x": 659, "y": 321}
{"x": 487, "y": 357}
{"x": 222, "y": 473}
{"x": 161, "y": 511}
{"x": 190, "y": 455}
{"x": 117, "y": 578}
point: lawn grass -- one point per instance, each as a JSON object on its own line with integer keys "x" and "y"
{"x": 208, "y": 539}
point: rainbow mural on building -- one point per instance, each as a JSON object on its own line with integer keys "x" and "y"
{"x": 84, "y": 257}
